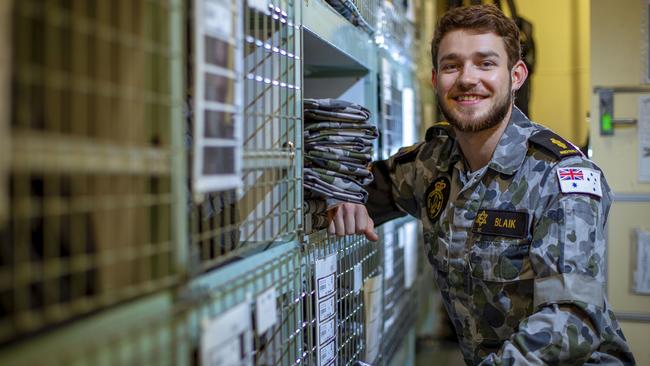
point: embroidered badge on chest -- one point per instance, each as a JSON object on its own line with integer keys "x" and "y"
{"x": 512, "y": 224}
{"x": 436, "y": 197}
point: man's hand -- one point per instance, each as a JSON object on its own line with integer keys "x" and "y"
{"x": 351, "y": 218}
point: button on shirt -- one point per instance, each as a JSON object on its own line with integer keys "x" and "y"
{"x": 519, "y": 263}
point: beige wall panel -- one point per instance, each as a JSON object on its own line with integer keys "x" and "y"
{"x": 558, "y": 117}
{"x": 616, "y": 38}
{"x": 617, "y": 155}
{"x": 624, "y": 219}
{"x": 637, "y": 335}
{"x": 560, "y": 89}
{"x": 615, "y": 62}
{"x": 616, "y": 41}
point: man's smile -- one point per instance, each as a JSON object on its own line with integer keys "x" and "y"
{"x": 469, "y": 99}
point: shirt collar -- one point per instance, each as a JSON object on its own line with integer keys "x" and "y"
{"x": 513, "y": 145}
{"x": 510, "y": 151}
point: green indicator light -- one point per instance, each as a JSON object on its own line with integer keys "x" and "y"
{"x": 606, "y": 122}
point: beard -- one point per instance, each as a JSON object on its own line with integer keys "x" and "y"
{"x": 493, "y": 117}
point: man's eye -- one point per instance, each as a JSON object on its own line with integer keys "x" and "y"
{"x": 448, "y": 67}
{"x": 487, "y": 64}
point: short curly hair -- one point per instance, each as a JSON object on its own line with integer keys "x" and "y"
{"x": 482, "y": 18}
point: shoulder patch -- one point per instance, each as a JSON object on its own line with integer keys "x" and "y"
{"x": 438, "y": 129}
{"x": 407, "y": 154}
{"x": 579, "y": 180}
{"x": 554, "y": 144}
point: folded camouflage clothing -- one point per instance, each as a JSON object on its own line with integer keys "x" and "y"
{"x": 338, "y": 144}
{"x": 342, "y": 190}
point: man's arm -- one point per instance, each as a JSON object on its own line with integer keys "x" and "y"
{"x": 567, "y": 254}
{"x": 390, "y": 196}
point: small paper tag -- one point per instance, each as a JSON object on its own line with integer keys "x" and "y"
{"x": 327, "y": 330}
{"x": 227, "y": 340}
{"x": 326, "y": 308}
{"x": 326, "y": 353}
{"x": 266, "y": 310}
{"x": 217, "y": 17}
{"x": 579, "y": 180}
{"x": 358, "y": 278}
{"x": 261, "y": 5}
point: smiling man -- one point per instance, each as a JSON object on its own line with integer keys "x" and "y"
{"x": 513, "y": 215}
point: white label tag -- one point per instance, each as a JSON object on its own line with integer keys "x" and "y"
{"x": 408, "y": 235}
{"x": 372, "y": 296}
{"x": 326, "y": 308}
{"x": 227, "y": 340}
{"x": 358, "y": 277}
{"x": 326, "y": 353}
{"x": 217, "y": 17}
{"x": 327, "y": 330}
{"x": 261, "y": 5}
{"x": 266, "y": 310}
{"x": 579, "y": 180}
{"x": 326, "y": 276}
{"x": 389, "y": 264}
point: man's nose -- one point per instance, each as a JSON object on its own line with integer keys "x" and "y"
{"x": 468, "y": 77}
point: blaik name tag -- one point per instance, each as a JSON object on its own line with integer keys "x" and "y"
{"x": 513, "y": 224}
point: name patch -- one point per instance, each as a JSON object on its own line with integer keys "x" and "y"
{"x": 512, "y": 224}
{"x": 436, "y": 197}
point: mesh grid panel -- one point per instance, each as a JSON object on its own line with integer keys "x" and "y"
{"x": 351, "y": 250}
{"x": 390, "y": 105}
{"x": 400, "y": 303}
{"x": 89, "y": 189}
{"x": 268, "y": 208}
{"x": 280, "y": 345}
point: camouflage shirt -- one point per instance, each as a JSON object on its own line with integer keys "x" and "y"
{"x": 518, "y": 260}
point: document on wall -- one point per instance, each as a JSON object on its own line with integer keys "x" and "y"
{"x": 227, "y": 340}
{"x": 326, "y": 313}
{"x": 642, "y": 273}
{"x": 408, "y": 235}
{"x": 372, "y": 297}
{"x": 643, "y": 131}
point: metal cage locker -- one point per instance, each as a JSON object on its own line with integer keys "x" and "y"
{"x": 209, "y": 299}
{"x": 90, "y": 181}
{"x": 266, "y": 208}
{"x": 350, "y": 251}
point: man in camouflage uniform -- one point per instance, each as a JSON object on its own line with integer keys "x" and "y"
{"x": 513, "y": 214}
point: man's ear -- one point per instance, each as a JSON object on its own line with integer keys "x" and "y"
{"x": 433, "y": 77}
{"x": 518, "y": 75}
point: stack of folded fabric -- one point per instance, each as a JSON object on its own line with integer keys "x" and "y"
{"x": 338, "y": 143}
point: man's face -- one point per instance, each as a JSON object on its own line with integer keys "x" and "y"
{"x": 473, "y": 83}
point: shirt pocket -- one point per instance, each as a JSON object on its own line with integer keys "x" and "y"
{"x": 502, "y": 260}
{"x": 437, "y": 250}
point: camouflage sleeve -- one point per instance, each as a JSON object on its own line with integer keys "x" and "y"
{"x": 569, "y": 320}
{"x": 391, "y": 194}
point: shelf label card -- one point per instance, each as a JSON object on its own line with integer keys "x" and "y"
{"x": 217, "y": 17}
{"x": 358, "y": 277}
{"x": 228, "y": 339}
{"x": 326, "y": 297}
{"x": 372, "y": 295}
{"x": 266, "y": 310}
